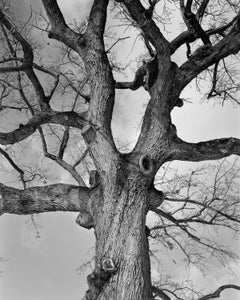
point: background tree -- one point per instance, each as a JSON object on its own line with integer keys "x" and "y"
{"x": 57, "y": 106}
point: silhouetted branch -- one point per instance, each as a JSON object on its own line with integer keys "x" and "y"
{"x": 217, "y": 293}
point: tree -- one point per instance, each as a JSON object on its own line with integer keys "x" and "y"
{"x": 121, "y": 187}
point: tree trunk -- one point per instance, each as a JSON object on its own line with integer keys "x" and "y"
{"x": 122, "y": 264}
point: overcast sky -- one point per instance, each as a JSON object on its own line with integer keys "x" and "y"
{"x": 46, "y": 267}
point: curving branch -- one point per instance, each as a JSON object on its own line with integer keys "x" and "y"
{"x": 192, "y": 23}
{"x": 189, "y": 36}
{"x": 138, "y": 81}
{"x": 59, "y": 29}
{"x": 158, "y": 292}
{"x": 217, "y": 293}
{"x": 67, "y": 118}
{"x": 143, "y": 17}
{"x": 208, "y": 150}
{"x": 208, "y": 55}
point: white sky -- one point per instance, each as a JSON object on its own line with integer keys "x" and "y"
{"x": 45, "y": 268}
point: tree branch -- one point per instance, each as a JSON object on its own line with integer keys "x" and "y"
{"x": 64, "y": 142}
{"x": 190, "y": 37}
{"x": 78, "y": 161}
{"x": 27, "y": 49}
{"x": 192, "y": 23}
{"x": 201, "y": 10}
{"x": 24, "y": 131}
{"x": 50, "y": 198}
{"x": 160, "y": 293}
{"x": 97, "y": 18}
{"x": 56, "y": 197}
{"x": 217, "y": 293}
{"x": 14, "y": 165}
{"x": 27, "y": 62}
{"x": 177, "y": 222}
{"x": 206, "y": 56}
{"x": 58, "y": 159}
{"x": 24, "y": 68}
{"x": 59, "y": 29}
{"x": 137, "y": 82}
{"x": 208, "y": 150}
{"x": 143, "y": 17}
{"x": 204, "y": 206}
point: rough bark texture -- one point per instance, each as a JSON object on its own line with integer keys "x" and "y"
{"x": 121, "y": 238}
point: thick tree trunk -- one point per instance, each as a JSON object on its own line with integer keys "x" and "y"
{"x": 122, "y": 269}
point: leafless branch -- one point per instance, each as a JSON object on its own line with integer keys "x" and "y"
{"x": 13, "y": 164}
{"x": 217, "y": 293}
{"x": 58, "y": 159}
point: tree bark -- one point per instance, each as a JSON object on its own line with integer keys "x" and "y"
{"x": 117, "y": 206}
{"x": 122, "y": 264}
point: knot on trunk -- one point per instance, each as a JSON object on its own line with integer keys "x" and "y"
{"x": 94, "y": 178}
{"x": 108, "y": 265}
{"x": 85, "y": 220}
{"x": 99, "y": 277}
{"x": 145, "y": 164}
{"x": 155, "y": 198}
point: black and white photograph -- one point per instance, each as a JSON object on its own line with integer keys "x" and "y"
{"x": 119, "y": 149}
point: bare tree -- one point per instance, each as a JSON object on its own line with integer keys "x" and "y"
{"x": 80, "y": 103}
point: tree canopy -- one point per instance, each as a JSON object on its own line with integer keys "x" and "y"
{"x": 60, "y": 83}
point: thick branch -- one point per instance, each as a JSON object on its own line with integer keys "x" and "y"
{"x": 217, "y": 293}
{"x": 202, "y": 9}
{"x": 97, "y": 17}
{"x": 56, "y": 197}
{"x": 190, "y": 37}
{"x": 192, "y": 23}
{"x": 24, "y": 131}
{"x": 208, "y": 150}
{"x": 59, "y": 29}
{"x": 206, "y": 56}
